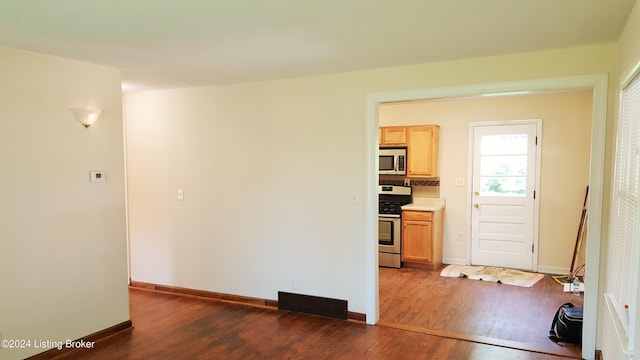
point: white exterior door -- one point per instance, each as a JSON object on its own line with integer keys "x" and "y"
{"x": 503, "y": 215}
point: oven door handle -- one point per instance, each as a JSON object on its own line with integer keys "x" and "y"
{"x": 392, "y": 216}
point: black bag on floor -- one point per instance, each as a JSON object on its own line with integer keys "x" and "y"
{"x": 567, "y": 324}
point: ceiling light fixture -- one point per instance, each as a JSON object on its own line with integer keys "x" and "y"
{"x": 86, "y": 117}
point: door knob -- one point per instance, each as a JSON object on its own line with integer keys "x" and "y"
{"x": 476, "y": 193}
{"x": 476, "y": 205}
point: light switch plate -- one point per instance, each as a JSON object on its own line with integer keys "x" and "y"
{"x": 97, "y": 176}
{"x": 459, "y": 181}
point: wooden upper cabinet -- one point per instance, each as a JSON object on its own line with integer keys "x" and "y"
{"x": 422, "y": 147}
{"x": 393, "y": 136}
{"x": 422, "y": 150}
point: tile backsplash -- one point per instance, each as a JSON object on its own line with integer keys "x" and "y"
{"x": 422, "y": 188}
{"x": 391, "y": 180}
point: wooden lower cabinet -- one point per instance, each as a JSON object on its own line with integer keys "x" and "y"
{"x": 422, "y": 239}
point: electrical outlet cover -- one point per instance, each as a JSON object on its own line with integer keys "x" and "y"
{"x": 97, "y": 176}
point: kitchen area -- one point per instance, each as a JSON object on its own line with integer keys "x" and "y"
{"x": 435, "y": 136}
{"x": 410, "y": 211}
{"x": 425, "y": 167}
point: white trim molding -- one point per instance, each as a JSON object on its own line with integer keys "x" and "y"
{"x": 454, "y": 261}
{"x": 553, "y": 270}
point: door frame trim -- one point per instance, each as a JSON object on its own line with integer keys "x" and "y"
{"x": 536, "y": 200}
{"x": 598, "y": 83}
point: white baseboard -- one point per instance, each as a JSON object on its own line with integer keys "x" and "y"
{"x": 452, "y": 261}
{"x": 553, "y": 270}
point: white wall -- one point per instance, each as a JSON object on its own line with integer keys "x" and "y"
{"x": 262, "y": 202}
{"x": 63, "y": 242}
{"x": 267, "y": 169}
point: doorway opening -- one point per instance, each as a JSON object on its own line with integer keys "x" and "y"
{"x": 596, "y": 83}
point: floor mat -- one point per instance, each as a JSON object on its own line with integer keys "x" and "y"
{"x": 495, "y": 274}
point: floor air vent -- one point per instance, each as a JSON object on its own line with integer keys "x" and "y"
{"x": 314, "y": 305}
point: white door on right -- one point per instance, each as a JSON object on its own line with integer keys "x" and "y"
{"x": 502, "y": 217}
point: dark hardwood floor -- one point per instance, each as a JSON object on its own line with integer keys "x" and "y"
{"x": 489, "y": 312}
{"x": 168, "y": 326}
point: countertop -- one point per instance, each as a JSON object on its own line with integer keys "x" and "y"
{"x": 425, "y": 204}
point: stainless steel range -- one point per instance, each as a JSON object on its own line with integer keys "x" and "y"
{"x": 390, "y": 200}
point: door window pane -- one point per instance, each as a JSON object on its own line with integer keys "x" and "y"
{"x": 503, "y": 165}
{"x": 503, "y": 185}
{"x": 504, "y": 144}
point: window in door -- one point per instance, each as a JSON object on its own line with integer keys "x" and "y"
{"x": 503, "y": 165}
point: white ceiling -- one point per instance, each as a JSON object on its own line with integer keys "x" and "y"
{"x": 177, "y": 43}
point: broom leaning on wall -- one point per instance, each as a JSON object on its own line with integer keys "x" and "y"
{"x": 582, "y": 230}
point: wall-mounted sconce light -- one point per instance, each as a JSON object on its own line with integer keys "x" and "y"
{"x": 86, "y": 117}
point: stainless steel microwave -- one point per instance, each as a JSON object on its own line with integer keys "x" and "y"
{"x": 393, "y": 161}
